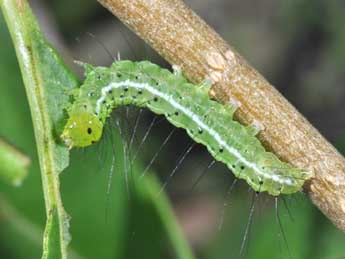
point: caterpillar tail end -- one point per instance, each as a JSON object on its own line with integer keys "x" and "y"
{"x": 298, "y": 178}
{"x": 82, "y": 130}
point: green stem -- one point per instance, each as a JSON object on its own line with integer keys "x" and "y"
{"x": 43, "y": 74}
{"x": 13, "y": 164}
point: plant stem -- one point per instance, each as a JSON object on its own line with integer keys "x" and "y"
{"x": 184, "y": 39}
{"x": 43, "y": 74}
{"x": 13, "y": 164}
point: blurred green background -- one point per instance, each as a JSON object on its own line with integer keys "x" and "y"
{"x": 299, "y": 45}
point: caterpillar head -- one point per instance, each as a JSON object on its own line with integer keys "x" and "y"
{"x": 81, "y": 130}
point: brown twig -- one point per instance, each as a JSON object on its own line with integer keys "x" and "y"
{"x": 183, "y": 39}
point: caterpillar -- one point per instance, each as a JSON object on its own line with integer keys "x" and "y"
{"x": 185, "y": 105}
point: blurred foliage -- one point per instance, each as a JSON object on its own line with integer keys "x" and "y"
{"x": 13, "y": 164}
{"x": 298, "y": 45}
{"x": 341, "y": 144}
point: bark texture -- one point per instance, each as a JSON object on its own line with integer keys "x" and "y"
{"x": 185, "y": 40}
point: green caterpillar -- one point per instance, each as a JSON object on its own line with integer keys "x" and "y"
{"x": 185, "y": 105}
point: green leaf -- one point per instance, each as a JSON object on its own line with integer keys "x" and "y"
{"x": 52, "y": 236}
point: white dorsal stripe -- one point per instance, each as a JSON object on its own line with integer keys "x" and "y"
{"x": 114, "y": 85}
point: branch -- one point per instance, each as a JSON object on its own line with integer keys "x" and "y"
{"x": 183, "y": 39}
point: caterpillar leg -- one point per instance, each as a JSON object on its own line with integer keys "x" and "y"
{"x": 255, "y": 127}
{"x": 205, "y": 86}
{"x": 232, "y": 106}
{"x": 177, "y": 70}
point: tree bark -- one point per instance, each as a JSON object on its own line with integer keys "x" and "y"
{"x": 185, "y": 40}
